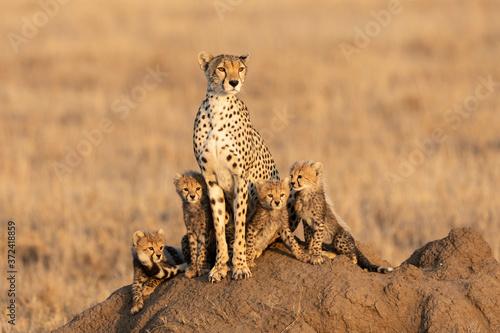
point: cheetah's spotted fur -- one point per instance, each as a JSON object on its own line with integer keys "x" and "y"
{"x": 231, "y": 154}
{"x": 322, "y": 225}
{"x": 271, "y": 220}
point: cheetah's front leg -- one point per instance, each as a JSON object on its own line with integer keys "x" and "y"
{"x": 137, "y": 297}
{"x": 250, "y": 251}
{"x": 240, "y": 267}
{"x": 193, "y": 245}
{"x": 317, "y": 243}
{"x": 220, "y": 269}
{"x": 288, "y": 238}
{"x": 202, "y": 265}
{"x": 308, "y": 235}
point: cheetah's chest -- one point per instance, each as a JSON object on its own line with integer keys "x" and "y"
{"x": 222, "y": 147}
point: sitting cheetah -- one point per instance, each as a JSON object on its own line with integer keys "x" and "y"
{"x": 322, "y": 225}
{"x": 192, "y": 189}
{"x": 153, "y": 263}
{"x": 271, "y": 218}
{"x": 231, "y": 154}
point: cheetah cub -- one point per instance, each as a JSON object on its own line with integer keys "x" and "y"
{"x": 199, "y": 243}
{"x": 151, "y": 265}
{"x": 271, "y": 218}
{"x": 322, "y": 226}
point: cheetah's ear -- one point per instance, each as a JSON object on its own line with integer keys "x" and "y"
{"x": 245, "y": 58}
{"x": 204, "y": 58}
{"x": 286, "y": 181}
{"x": 161, "y": 232}
{"x": 137, "y": 237}
{"x": 319, "y": 168}
{"x": 177, "y": 177}
{"x": 259, "y": 184}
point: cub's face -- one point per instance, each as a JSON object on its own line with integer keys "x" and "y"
{"x": 273, "y": 194}
{"x": 305, "y": 174}
{"x": 149, "y": 246}
{"x": 190, "y": 186}
{"x": 225, "y": 73}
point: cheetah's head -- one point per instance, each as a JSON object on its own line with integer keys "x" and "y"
{"x": 190, "y": 186}
{"x": 225, "y": 73}
{"x": 305, "y": 174}
{"x": 273, "y": 194}
{"x": 148, "y": 245}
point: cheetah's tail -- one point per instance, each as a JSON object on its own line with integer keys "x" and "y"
{"x": 363, "y": 262}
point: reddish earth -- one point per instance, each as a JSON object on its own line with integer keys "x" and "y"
{"x": 449, "y": 285}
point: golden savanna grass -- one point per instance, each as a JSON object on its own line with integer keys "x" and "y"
{"x": 369, "y": 121}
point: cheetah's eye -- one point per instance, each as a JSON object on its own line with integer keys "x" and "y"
{"x": 222, "y": 69}
{"x": 198, "y": 188}
{"x": 299, "y": 177}
{"x": 151, "y": 248}
{"x": 282, "y": 195}
{"x": 161, "y": 248}
{"x": 241, "y": 69}
{"x": 185, "y": 189}
{"x": 270, "y": 195}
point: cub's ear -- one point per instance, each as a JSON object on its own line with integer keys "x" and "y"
{"x": 204, "y": 58}
{"x": 161, "y": 232}
{"x": 137, "y": 237}
{"x": 245, "y": 58}
{"x": 319, "y": 168}
{"x": 259, "y": 184}
{"x": 177, "y": 177}
{"x": 286, "y": 181}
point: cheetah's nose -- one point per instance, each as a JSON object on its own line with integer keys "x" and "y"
{"x": 277, "y": 203}
{"x": 192, "y": 196}
{"x": 234, "y": 83}
{"x": 292, "y": 184}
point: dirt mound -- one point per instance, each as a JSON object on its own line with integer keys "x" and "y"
{"x": 451, "y": 285}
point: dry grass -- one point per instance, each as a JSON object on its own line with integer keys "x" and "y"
{"x": 359, "y": 118}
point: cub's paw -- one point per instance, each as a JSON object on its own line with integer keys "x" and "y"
{"x": 218, "y": 273}
{"x": 136, "y": 308}
{"x": 203, "y": 271}
{"x": 304, "y": 257}
{"x": 329, "y": 255}
{"x": 251, "y": 263}
{"x": 190, "y": 272}
{"x": 316, "y": 259}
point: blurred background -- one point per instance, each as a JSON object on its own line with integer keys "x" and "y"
{"x": 398, "y": 99}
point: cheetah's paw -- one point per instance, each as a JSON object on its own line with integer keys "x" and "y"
{"x": 242, "y": 273}
{"x": 203, "y": 271}
{"x": 316, "y": 259}
{"x": 136, "y": 309}
{"x": 190, "y": 272}
{"x": 304, "y": 257}
{"x": 218, "y": 273}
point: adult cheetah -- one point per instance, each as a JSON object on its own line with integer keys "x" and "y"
{"x": 231, "y": 154}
